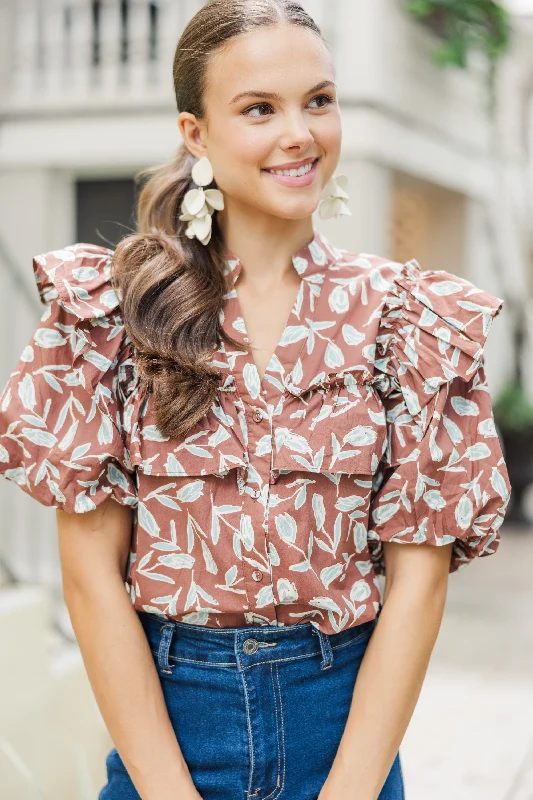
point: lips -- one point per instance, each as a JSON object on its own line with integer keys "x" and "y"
{"x": 296, "y": 175}
{"x": 293, "y": 170}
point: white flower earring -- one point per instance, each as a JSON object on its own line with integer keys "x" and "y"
{"x": 198, "y": 206}
{"x": 334, "y": 196}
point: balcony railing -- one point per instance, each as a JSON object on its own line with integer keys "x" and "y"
{"x": 79, "y": 53}
{"x": 72, "y": 54}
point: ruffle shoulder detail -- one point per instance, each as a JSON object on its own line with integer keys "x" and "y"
{"x": 80, "y": 277}
{"x": 61, "y": 412}
{"x": 433, "y": 329}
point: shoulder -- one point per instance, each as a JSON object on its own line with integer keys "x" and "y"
{"x": 79, "y": 277}
{"x": 83, "y": 323}
{"x": 430, "y": 326}
{"x": 406, "y": 287}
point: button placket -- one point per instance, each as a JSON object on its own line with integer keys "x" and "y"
{"x": 257, "y": 487}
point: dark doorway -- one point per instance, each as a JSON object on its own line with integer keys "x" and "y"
{"x": 106, "y": 210}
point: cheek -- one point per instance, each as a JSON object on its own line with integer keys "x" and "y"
{"x": 328, "y": 136}
{"x": 240, "y": 155}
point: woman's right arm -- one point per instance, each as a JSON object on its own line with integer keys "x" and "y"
{"x": 94, "y": 549}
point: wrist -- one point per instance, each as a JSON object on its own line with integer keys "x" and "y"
{"x": 350, "y": 782}
{"x": 169, "y": 783}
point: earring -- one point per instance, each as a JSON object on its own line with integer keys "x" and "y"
{"x": 334, "y": 195}
{"x": 198, "y": 206}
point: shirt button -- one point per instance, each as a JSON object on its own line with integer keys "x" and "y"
{"x": 257, "y": 417}
{"x": 257, "y": 575}
{"x": 256, "y": 493}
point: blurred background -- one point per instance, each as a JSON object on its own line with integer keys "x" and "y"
{"x": 437, "y": 103}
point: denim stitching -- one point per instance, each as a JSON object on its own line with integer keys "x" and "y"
{"x": 273, "y": 660}
{"x": 277, "y": 734}
{"x": 251, "y": 628}
{"x": 164, "y": 646}
{"x": 258, "y": 663}
{"x": 325, "y": 649}
{"x": 195, "y": 661}
{"x": 250, "y": 738}
{"x": 283, "y": 760}
{"x": 352, "y": 641}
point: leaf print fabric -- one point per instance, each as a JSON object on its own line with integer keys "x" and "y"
{"x": 60, "y": 411}
{"x": 448, "y": 481}
{"x": 372, "y": 423}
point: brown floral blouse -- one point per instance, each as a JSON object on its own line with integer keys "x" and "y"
{"x": 373, "y": 423}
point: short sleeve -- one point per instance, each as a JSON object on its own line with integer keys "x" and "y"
{"x": 443, "y": 477}
{"x": 61, "y": 433}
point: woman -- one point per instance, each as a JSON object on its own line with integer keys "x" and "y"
{"x": 245, "y": 436}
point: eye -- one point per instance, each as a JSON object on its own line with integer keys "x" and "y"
{"x": 321, "y": 101}
{"x": 259, "y": 110}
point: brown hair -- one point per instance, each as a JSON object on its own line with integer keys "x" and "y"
{"x": 171, "y": 287}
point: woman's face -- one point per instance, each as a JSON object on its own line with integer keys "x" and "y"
{"x": 272, "y": 126}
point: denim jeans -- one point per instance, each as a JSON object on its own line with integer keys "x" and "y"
{"x": 258, "y": 711}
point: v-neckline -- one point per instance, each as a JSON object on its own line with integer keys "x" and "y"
{"x": 294, "y": 311}
{"x": 311, "y": 263}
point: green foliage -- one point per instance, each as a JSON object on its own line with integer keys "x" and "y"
{"x": 465, "y": 25}
{"x": 513, "y": 411}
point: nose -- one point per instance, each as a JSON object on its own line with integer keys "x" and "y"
{"x": 296, "y": 135}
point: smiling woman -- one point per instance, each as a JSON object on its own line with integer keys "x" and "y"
{"x": 247, "y": 427}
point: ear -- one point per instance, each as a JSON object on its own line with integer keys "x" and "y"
{"x": 193, "y": 132}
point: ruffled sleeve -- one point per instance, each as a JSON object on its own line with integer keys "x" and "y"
{"x": 443, "y": 478}
{"x": 61, "y": 427}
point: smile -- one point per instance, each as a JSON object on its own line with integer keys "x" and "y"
{"x": 302, "y": 174}
{"x": 293, "y": 173}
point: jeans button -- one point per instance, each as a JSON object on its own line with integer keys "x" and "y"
{"x": 250, "y": 646}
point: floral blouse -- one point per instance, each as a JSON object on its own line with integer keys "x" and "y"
{"x": 372, "y": 424}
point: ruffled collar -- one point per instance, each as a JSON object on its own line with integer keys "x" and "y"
{"x": 315, "y": 257}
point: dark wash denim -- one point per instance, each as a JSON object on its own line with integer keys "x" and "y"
{"x": 258, "y": 711}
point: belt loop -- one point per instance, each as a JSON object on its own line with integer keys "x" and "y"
{"x": 164, "y": 647}
{"x": 325, "y": 646}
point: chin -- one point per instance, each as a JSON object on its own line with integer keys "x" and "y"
{"x": 295, "y": 210}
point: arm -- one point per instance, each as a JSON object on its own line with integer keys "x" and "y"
{"x": 392, "y": 671}
{"x": 93, "y": 550}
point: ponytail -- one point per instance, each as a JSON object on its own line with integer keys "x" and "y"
{"x": 171, "y": 289}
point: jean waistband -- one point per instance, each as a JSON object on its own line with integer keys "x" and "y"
{"x": 174, "y": 642}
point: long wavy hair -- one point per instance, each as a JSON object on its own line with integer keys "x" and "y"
{"x": 171, "y": 287}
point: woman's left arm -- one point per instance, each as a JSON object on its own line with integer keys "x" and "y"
{"x": 392, "y": 671}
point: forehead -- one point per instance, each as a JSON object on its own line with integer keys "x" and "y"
{"x": 274, "y": 58}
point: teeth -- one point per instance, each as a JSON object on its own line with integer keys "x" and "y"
{"x": 293, "y": 173}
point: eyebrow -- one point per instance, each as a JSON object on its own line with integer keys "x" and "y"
{"x": 273, "y": 96}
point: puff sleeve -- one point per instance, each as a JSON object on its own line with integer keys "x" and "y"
{"x": 443, "y": 478}
{"x": 61, "y": 433}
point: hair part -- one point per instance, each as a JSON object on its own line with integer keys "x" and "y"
{"x": 172, "y": 287}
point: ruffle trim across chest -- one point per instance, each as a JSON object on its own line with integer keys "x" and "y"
{"x": 385, "y": 327}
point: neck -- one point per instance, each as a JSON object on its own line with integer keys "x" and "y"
{"x": 263, "y": 243}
